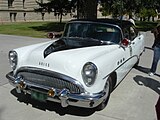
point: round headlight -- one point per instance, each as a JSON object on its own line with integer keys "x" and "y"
{"x": 89, "y": 73}
{"x": 13, "y": 59}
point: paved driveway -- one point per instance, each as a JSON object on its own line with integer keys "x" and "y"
{"x": 134, "y": 99}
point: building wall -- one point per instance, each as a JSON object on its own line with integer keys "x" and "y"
{"x": 23, "y": 10}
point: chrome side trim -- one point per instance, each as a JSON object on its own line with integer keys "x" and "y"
{"x": 121, "y": 65}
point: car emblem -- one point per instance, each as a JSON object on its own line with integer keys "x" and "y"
{"x": 44, "y": 64}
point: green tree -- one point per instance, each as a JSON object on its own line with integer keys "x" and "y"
{"x": 150, "y": 6}
{"x": 59, "y": 7}
{"x": 86, "y": 9}
{"x": 145, "y": 9}
{"x": 119, "y": 7}
{"x": 106, "y": 8}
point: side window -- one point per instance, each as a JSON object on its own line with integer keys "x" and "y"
{"x": 133, "y": 33}
{"x": 126, "y": 33}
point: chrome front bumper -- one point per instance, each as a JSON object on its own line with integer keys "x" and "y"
{"x": 61, "y": 96}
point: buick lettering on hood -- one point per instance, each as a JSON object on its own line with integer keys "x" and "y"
{"x": 82, "y": 67}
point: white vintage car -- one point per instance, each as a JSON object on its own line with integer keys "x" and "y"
{"x": 82, "y": 67}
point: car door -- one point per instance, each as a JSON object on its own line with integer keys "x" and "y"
{"x": 123, "y": 62}
{"x": 137, "y": 43}
{"x": 131, "y": 50}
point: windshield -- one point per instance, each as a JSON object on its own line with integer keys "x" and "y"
{"x": 93, "y": 30}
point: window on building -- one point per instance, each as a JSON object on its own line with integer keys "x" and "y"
{"x": 10, "y": 3}
{"x": 24, "y": 15}
{"x": 23, "y": 3}
{"x": 13, "y": 16}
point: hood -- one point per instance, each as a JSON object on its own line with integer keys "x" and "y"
{"x": 70, "y": 43}
{"x": 62, "y": 57}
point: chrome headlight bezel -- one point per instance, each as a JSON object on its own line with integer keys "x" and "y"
{"x": 13, "y": 59}
{"x": 89, "y": 73}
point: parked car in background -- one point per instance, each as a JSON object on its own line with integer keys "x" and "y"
{"x": 82, "y": 67}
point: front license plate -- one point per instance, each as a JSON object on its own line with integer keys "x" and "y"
{"x": 39, "y": 96}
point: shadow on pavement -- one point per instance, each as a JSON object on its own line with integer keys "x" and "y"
{"x": 144, "y": 70}
{"x": 148, "y": 82}
{"x": 152, "y": 84}
{"x": 52, "y": 106}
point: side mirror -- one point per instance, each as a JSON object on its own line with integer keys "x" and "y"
{"x": 51, "y": 35}
{"x": 125, "y": 42}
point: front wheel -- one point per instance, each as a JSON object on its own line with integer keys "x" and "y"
{"x": 108, "y": 89}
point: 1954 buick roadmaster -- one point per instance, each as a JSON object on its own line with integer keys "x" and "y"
{"x": 82, "y": 67}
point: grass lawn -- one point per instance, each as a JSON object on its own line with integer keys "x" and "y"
{"x": 145, "y": 26}
{"x": 39, "y": 29}
{"x": 32, "y": 29}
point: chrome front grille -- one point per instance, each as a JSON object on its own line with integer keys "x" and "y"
{"x": 50, "y": 81}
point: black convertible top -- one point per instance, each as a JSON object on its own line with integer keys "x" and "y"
{"x": 120, "y": 23}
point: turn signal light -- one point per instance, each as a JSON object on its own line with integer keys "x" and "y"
{"x": 51, "y": 93}
{"x": 21, "y": 85}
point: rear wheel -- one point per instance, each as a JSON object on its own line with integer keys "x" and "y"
{"x": 108, "y": 89}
